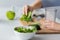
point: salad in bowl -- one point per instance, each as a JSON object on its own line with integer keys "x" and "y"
{"x": 25, "y": 33}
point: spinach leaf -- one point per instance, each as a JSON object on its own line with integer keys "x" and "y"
{"x": 24, "y": 30}
{"x": 26, "y": 17}
{"x": 36, "y": 25}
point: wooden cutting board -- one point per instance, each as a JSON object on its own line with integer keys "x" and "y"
{"x": 46, "y": 31}
{"x": 43, "y": 30}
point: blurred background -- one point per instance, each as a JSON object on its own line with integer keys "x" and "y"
{"x": 15, "y": 5}
{"x": 20, "y": 3}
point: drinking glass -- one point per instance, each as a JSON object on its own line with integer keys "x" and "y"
{"x": 50, "y": 13}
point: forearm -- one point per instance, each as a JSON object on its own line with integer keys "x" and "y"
{"x": 36, "y": 4}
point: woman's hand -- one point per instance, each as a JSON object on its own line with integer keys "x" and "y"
{"x": 27, "y": 8}
{"x": 50, "y": 25}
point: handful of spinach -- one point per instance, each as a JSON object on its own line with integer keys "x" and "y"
{"x": 26, "y": 18}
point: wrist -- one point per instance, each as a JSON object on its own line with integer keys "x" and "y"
{"x": 31, "y": 7}
{"x": 56, "y": 26}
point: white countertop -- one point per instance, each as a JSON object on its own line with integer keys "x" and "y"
{"x": 7, "y": 32}
{"x": 39, "y": 37}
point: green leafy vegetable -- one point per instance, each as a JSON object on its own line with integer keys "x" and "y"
{"x": 26, "y": 17}
{"x": 29, "y": 15}
{"x": 36, "y": 25}
{"x": 25, "y": 30}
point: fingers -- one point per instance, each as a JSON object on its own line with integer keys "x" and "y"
{"x": 25, "y": 10}
{"x": 49, "y": 24}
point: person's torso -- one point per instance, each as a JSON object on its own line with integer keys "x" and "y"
{"x": 52, "y": 3}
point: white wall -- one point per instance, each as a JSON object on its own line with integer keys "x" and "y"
{"x": 15, "y": 2}
{"x": 6, "y": 5}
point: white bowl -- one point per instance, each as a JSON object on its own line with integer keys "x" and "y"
{"x": 24, "y": 36}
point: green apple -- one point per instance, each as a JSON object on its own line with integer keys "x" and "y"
{"x": 10, "y": 15}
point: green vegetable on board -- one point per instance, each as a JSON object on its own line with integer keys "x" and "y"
{"x": 26, "y": 17}
{"x": 36, "y": 25}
